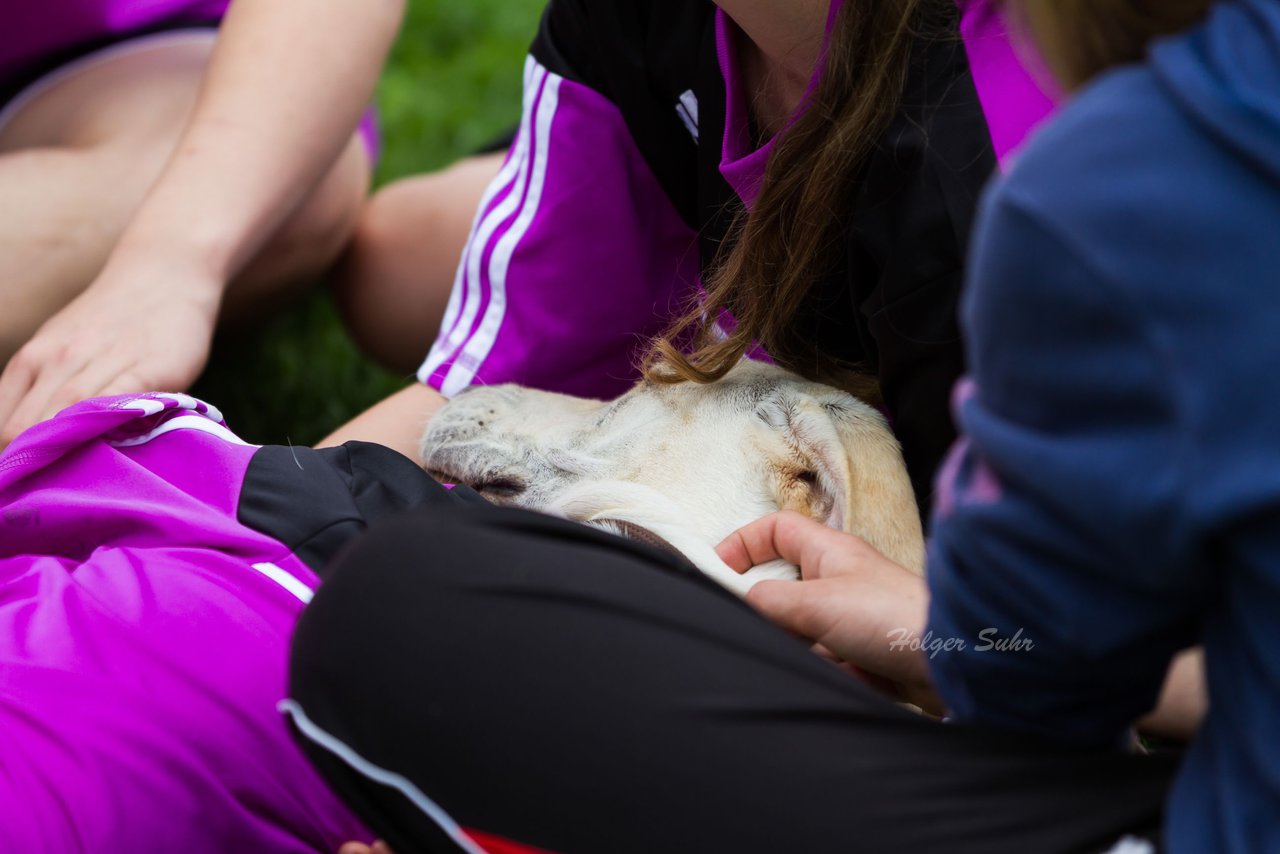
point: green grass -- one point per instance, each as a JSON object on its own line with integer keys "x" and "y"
{"x": 451, "y": 86}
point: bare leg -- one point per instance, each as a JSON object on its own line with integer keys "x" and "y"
{"x": 77, "y": 160}
{"x": 394, "y": 281}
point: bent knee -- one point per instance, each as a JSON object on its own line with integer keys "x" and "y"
{"x": 399, "y": 219}
{"x": 327, "y": 218}
{"x": 411, "y": 233}
{"x": 392, "y": 284}
{"x": 426, "y": 214}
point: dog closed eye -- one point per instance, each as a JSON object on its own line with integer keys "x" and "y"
{"x": 500, "y": 487}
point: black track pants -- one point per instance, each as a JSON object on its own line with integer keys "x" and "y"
{"x": 471, "y": 673}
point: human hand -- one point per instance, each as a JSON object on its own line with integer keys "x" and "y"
{"x": 135, "y": 329}
{"x": 851, "y": 601}
{"x": 378, "y": 847}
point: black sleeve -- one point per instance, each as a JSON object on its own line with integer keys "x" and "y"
{"x": 643, "y": 55}
{"x": 315, "y": 501}
{"x": 564, "y": 40}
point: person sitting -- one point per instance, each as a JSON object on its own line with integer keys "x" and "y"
{"x": 165, "y": 170}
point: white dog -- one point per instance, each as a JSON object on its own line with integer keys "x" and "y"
{"x": 686, "y": 465}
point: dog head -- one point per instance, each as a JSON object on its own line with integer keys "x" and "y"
{"x": 692, "y": 463}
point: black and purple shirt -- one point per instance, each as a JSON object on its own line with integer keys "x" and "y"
{"x": 619, "y": 188}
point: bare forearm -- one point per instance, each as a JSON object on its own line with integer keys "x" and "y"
{"x": 1184, "y": 701}
{"x": 284, "y": 91}
{"x": 397, "y": 422}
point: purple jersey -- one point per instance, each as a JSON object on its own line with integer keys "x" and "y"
{"x": 634, "y": 143}
{"x": 36, "y": 31}
{"x": 144, "y": 636}
{"x": 565, "y": 264}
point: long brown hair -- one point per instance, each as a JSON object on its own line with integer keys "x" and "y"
{"x": 795, "y": 232}
{"x": 1080, "y": 38}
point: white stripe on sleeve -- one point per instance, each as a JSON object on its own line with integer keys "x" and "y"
{"x": 469, "y": 285}
{"x": 477, "y": 349}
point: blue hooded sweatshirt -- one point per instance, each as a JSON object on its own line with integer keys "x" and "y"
{"x": 1116, "y": 495}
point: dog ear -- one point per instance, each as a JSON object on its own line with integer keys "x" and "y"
{"x": 851, "y": 475}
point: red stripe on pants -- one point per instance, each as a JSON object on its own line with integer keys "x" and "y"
{"x": 497, "y": 845}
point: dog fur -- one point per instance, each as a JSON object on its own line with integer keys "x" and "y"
{"x": 690, "y": 463}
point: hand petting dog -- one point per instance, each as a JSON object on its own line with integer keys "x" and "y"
{"x": 851, "y": 601}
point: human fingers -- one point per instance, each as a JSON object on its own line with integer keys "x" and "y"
{"x": 15, "y": 381}
{"x": 130, "y": 382}
{"x": 778, "y": 535}
{"x": 819, "y": 551}
{"x": 862, "y": 620}
{"x": 50, "y": 375}
{"x": 378, "y": 847}
{"x": 97, "y": 379}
